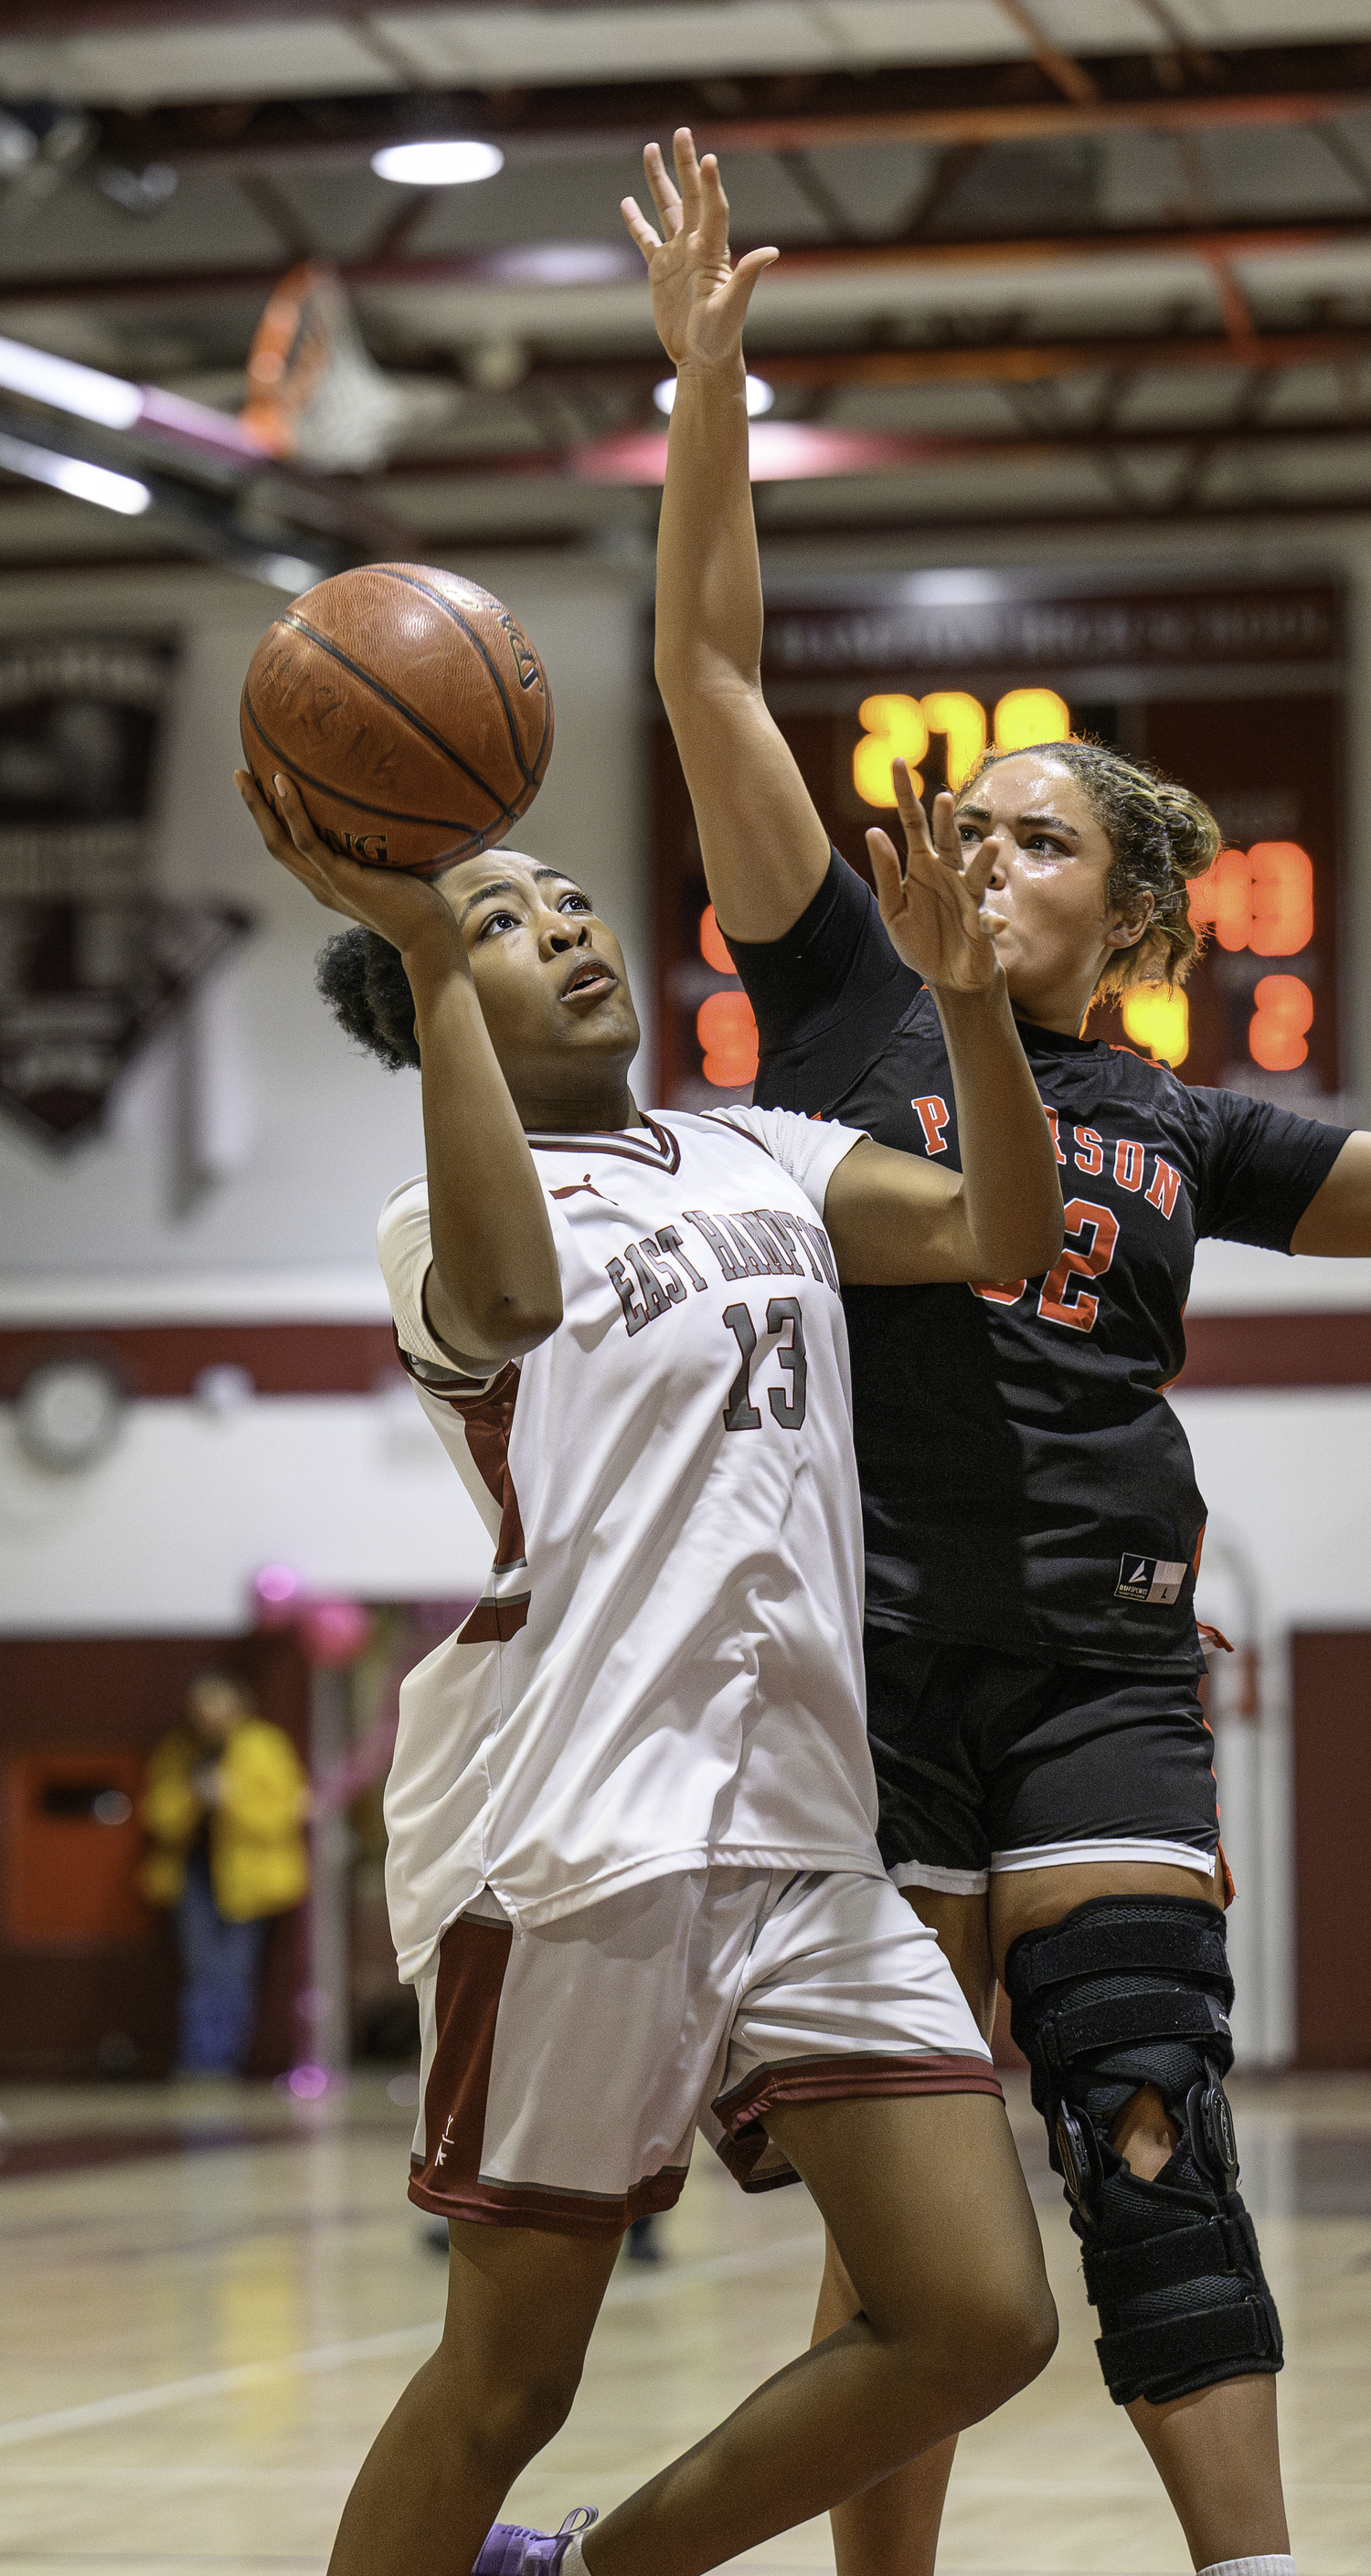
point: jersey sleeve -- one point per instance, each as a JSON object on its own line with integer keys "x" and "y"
{"x": 405, "y": 1250}
{"x": 808, "y": 1150}
{"x": 834, "y": 965}
{"x": 1260, "y": 1167}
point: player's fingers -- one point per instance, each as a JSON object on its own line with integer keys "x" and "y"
{"x": 264, "y": 815}
{"x": 291, "y": 809}
{"x": 886, "y": 869}
{"x": 687, "y": 176}
{"x": 647, "y": 240}
{"x": 980, "y": 868}
{"x": 745, "y": 276}
{"x": 713, "y": 207}
{"x": 910, "y": 811}
{"x": 275, "y": 837}
{"x": 663, "y": 186}
{"x": 946, "y": 840}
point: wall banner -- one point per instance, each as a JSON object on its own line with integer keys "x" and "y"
{"x": 92, "y": 960}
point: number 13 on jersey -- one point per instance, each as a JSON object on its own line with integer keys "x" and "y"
{"x": 787, "y": 1403}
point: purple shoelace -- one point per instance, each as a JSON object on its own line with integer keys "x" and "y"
{"x": 511, "y": 2549}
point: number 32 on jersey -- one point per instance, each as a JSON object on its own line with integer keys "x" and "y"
{"x": 1062, "y": 1299}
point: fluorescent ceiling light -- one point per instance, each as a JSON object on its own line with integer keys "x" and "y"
{"x": 566, "y": 263}
{"x": 73, "y": 474}
{"x": 760, "y": 395}
{"x": 65, "y": 386}
{"x": 288, "y": 572}
{"x": 952, "y": 588}
{"x": 437, "y": 165}
{"x": 779, "y": 451}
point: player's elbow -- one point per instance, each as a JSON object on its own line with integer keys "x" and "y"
{"x": 513, "y": 1325}
{"x": 485, "y": 1328}
{"x": 696, "y": 677}
{"x": 1051, "y": 1235}
{"x": 1024, "y": 1246}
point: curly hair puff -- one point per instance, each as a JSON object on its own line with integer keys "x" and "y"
{"x": 363, "y": 980}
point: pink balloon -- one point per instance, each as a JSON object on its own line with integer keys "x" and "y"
{"x": 334, "y": 1633}
{"x": 277, "y": 1596}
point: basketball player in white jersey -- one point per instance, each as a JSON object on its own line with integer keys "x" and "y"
{"x": 632, "y": 1864}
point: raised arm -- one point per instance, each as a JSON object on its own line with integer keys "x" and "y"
{"x": 765, "y": 850}
{"x": 493, "y": 1290}
{"x": 1338, "y": 1217}
{"x": 892, "y": 1217}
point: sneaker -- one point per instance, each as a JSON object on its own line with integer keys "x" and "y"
{"x": 510, "y": 2549}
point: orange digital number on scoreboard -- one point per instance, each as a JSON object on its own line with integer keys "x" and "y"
{"x": 724, "y": 1023}
{"x": 1262, "y": 899}
{"x": 896, "y": 727}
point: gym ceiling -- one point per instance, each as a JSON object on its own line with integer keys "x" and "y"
{"x": 1047, "y": 264}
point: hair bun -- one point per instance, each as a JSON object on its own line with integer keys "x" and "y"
{"x": 1193, "y": 835}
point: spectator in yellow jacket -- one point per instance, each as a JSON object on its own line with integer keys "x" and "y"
{"x": 223, "y": 1810}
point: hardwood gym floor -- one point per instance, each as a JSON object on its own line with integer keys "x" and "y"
{"x": 208, "y": 2300}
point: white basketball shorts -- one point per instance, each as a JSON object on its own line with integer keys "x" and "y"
{"x": 566, "y": 2069}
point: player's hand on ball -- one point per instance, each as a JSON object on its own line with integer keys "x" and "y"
{"x": 699, "y": 298}
{"x": 933, "y": 902}
{"x": 401, "y": 908}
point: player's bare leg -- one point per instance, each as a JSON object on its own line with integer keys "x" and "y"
{"x": 1217, "y": 2451}
{"x": 931, "y": 2210}
{"x": 927, "y": 2202}
{"x": 893, "y": 2526}
{"x": 520, "y": 2312}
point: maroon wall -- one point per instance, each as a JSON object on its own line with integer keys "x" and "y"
{"x": 1331, "y": 1679}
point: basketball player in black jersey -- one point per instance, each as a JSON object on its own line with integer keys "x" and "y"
{"x": 1032, "y": 1521}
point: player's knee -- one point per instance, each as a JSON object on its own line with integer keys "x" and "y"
{"x": 1034, "y": 2331}
{"x": 1010, "y": 2334}
{"x": 1121, "y": 2010}
{"x": 1143, "y": 2135}
{"x": 996, "y": 2333}
{"x": 508, "y": 2422}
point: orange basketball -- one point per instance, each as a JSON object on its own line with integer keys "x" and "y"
{"x": 409, "y": 708}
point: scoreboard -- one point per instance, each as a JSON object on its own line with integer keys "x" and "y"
{"x": 1236, "y": 692}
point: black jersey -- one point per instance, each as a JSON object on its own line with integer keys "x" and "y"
{"x": 1026, "y": 1486}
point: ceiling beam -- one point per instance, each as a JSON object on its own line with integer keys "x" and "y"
{"x": 343, "y": 141}
{"x": 919, "y": 447}
{"x": 855, "y": 529}
{"x": 956, "y": 528}
{"x": 1005, "y": 362}
{"x": 928, "y": 103}
{"x": 263, "y": 505}
{"x": 1064, "y": 72}
{"x": 1035, "y": 362}
{"x": 516, "y": 267}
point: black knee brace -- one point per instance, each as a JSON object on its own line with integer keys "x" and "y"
{"x": 1127, "y": 1991}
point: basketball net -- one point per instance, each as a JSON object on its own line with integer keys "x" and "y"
{"x": 316, "y": 393}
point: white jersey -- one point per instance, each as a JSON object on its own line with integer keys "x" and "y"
{"x": 664, "y": 1670}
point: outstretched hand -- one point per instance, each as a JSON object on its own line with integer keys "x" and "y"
{"x": 400, "y": 908}
{"x": 699, "y": 298}
{"x": 932, "y": 902}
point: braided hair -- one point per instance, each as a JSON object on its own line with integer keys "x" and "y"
{"x": 363, "y": 980}
{"x": 1159, "y": 837}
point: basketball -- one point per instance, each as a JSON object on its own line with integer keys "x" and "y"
{"x": 409, "y": 708}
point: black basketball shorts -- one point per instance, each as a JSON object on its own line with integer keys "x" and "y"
{"x": 987, "y": 1763}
